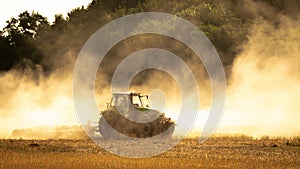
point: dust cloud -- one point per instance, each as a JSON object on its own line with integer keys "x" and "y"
{"x": 263, "y": 93}
{"x": 31, "y": 99}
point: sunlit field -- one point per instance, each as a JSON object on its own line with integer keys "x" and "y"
{"x": 217, "y": 152}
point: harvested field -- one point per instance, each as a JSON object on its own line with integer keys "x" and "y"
{"x": 217, "y": 152}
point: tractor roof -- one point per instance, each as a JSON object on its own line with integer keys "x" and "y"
{"x": 126, "y": 93}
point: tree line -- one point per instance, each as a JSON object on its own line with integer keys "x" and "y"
{"x": 30, "y": 39}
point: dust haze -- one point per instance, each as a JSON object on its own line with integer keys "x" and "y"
{"x": 262, "y": 91}
{"x": 31, "y": 98}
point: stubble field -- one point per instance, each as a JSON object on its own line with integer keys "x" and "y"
{"x": 217, "y": 152}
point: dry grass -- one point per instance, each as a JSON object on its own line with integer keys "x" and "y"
{"x": 217, "y": 152}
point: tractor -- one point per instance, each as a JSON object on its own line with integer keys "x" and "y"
{"x": 129, "y": 114}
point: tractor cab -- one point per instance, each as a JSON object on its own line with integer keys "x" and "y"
{"x": 138, "y": 101}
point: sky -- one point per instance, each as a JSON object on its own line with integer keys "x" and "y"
{"x": 47, "y": 8}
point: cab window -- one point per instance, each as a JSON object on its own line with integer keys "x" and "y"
{"x": 136, "y": 101}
